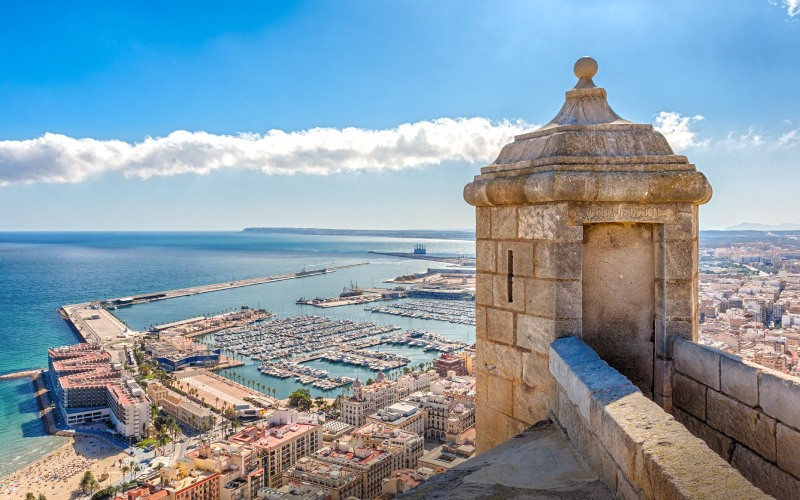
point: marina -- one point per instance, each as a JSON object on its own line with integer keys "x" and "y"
{"x": 427, "y": 340}
{"x": 451, "y": 311}
{"x": 285, "y": 347}
{"x": 376, "y": 361}
{"x": 299, "y": 338}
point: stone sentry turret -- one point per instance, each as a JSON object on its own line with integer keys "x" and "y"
{"x": 586, "y": 227}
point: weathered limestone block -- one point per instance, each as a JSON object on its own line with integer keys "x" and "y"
{"x": 690, "y": 396}
{"x": 788, "y": 441}
{"x": 568, "y": 299}
{"x": 504, "y": 223}
{"x": 672, "y": 329}
{"x": 484, "y": 295}
{"x": 502, "y": 326}
{"x": 779, "y": 397}
{"x": 535, "y": 372}
{"x": 547, "y": 221}
{"x": 558, "y": 260}
{"x": 535, "y": 333}
{"x": 500, "y": 292}
{"x": 553, "y": 298}
{"x": 739, "y": 379}
{"x": 501, "y": 394}
{"x": 663, "y": 373}
{"x": 697, "y": 361}
{"x": 481, "y": 386}
{"x": 483, "y": 222}
{"x": 685, "y": 226}
{"x": 493, "y": 425}
{"x": 486, "y": 255}
{"x": 541, "y": 297}
{"x": 531, "y": 403}
{"x": 678, "y": 300}
{"x": 765, "y": 475}
{"x": 522, "y": 258}
{"x": 499, "y": 360}
{"x": 744, "y": 424}
{"x": 480, "y": 322}
{"x": 718, "y": 442}
{"x": 680, "y": 260}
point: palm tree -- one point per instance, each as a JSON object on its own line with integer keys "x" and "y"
{"x": 174, "y": 429}
{"x": 162, "y": 438}
{"x": 88, "y": 482}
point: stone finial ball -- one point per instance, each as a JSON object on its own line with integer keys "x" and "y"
{"x": 585, "y": 67}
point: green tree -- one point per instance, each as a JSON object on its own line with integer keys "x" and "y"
{"x": 370, "y": 381}
{"x": 42, "y": 497}
{"x": 30, "y": 496}
{"x": 319, "y": 402}
{"x": 301, "y": 398}
{"x": 88, "y": 482}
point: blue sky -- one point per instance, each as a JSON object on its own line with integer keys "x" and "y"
{"x": 397, "y": 96}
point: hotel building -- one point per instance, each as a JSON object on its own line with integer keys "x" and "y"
{"x": 88, "y": 387}
{"x": 281, "y": 443}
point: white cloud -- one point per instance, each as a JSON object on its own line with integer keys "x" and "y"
{"x": 749, "y": 139}
{"x": 789, "y": 139}
{"x": 678, "y": 129}
{"x": 792, "y": 7}
{"x": 56, "y": 158}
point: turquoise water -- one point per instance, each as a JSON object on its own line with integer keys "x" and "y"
{"x": 39, "y": 272}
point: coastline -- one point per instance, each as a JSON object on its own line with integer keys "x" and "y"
{"x": 58, "y": 473}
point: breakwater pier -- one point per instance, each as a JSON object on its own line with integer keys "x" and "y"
{"x": 93, "y": 322}
{"x": 20, "y": 374}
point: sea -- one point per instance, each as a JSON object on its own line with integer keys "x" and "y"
{"x": 41, "y": 271}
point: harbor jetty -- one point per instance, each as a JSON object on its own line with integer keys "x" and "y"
{"x": 458, "y": 259}
{"x": 20, "y": 374}
{"x": 93, "y": 322}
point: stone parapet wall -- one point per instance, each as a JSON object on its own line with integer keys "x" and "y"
{"x": 637, "y": 449}
{"x": 748, "y": 414}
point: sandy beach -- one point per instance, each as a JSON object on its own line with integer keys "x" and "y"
{"x": 58, "y": 474}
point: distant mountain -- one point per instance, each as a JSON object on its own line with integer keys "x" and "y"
{"x": 755, "y": 226}
{"x": 430, "y": 234}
